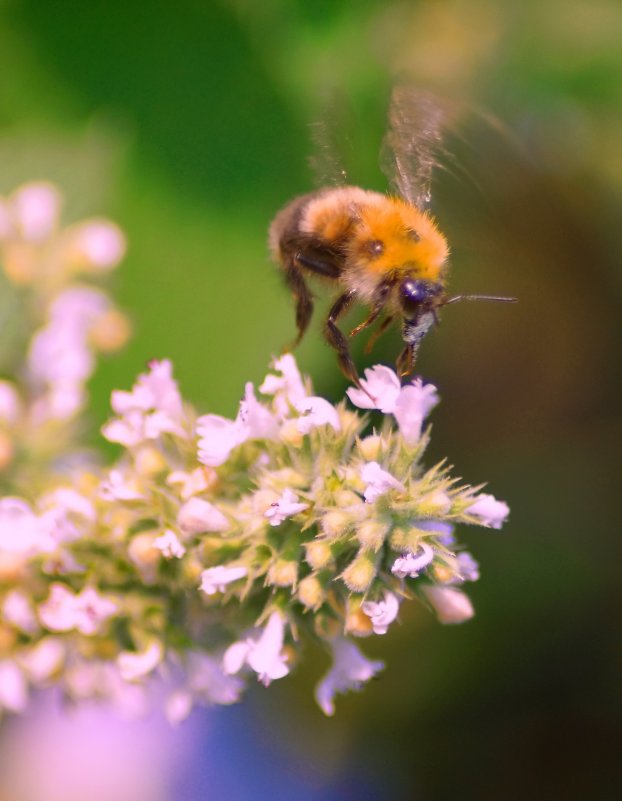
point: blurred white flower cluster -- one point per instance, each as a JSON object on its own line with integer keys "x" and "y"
{"x": 213, "y": 549}
{"x": 51, "y": 290}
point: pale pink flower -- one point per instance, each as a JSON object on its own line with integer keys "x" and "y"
{"x": 349, "y": 671}
{"x": 381, "y": 389}
{"x": 491, "y": 512}
{"x": 216, "y": 579}
{"x": 17, "y": 609}
{"x": 120, "y": 486}
{"x": 36, "y": 209}
{"x": 450, "y": 605}
{"x": 287, "y": 388}
{"x": 378, "y": 481}
{"x": 10, "y": 403}
{"x": 42, "y": 660}
{"x": 21, "y": 531}
{"x": 467, "y": 567}
{"x": 100, "y": 242}
{"x": 316, "y": 412}
{"x": 382, "y": 613}
{"x": 197, "y": 516}
{"x": 206, "y": 682}
{"x": 169, "y": 545}
{"x": 189, "y": 483}
{"x": 411, "y": 564}
{"x": 86, "y": 612}
{"x": 13, "y": 687}
{"x": 287, "y": 506}
{"x": 262, "y": 651}
{"x": 135, "y": 665}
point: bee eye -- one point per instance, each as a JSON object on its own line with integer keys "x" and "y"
{"x": 375, "y": 247}
{"x": 413, "y": 235}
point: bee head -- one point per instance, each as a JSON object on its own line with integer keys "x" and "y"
{"x": 417, "y": 295}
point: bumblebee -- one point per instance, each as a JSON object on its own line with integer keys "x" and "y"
{"x": 384, "y": 251}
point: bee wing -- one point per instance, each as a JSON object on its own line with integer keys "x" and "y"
{"x": 413, "y": 143}
{"x": 330, "y": 141}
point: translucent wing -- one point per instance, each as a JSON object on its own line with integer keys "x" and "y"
{"x": 413, "y": 143}
{"x": 330, "y": 142}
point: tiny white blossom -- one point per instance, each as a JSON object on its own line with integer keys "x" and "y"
{"x": 207, "y": 682}
{"x": 288, "y": 388}
{"x": 382, "y": 613}
{"x": 21, "y": 530}
{"x": 17, "y": 609}
{"x": 349, "y": 671}
{"x": 100, "y": 243}
{"x": 412, "y": 564}
{"x": 215, "y": 579}
{"x": 189, "y": 483}
{"x": 120, "y": 487}
{"x": 489, "y": 510}
{"x": 287, "y": 506}
{"x": 378, "y": 481}
{"x": 169, "y": 545}
{"x": 135, "y": 665}
{"x": 316, "y": 412}
{"x": 196, "y": 516}
{"x": 450, "y": 605}
{"x": 262, "y": 651}
{"x": 42, "y": 660}
{"x": 381, "y": 389}
{"x": 86, "y": 612}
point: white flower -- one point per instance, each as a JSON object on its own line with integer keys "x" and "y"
{"x": 134, "y": 665}
{"x": 288, "y": 388}
{"x": 86, "y": 612}
{"x": 100, "y": 243}
{"x": 43, "y": 659}
{"x": 215, "y": 579}
{"x": 489, "y": 510}
{"x": 410, "y": 404}
{"x": 349, "y": 671}
{"x": 412, "y": 564}
{"x": 205, "y": 681}
{"x": 451, "y": 606}
{"x": 197, "y": 516}
{"x": 17, "y": 609}
{"x": 169, "y": 545}
{"x": 189, "y": 483}
{"x": 382, "y": 613}
{"x": 151, "y": 409}
{"x": 316, "y": 412}
{"x": 36, "y": 207}
{"x": 381, "y": 389}
{"x": 218, "y": 436}
{"x": 10, "y": 404}
{"x": 262, "y": 651}
{"x": 120, "y": 487}
{"x": 287, "y": 506}
{"x": 378, "y": 481}
{"x": 13, "y": 687}
{"x": 21, "y": 531}
{"x": 69, "y": 500}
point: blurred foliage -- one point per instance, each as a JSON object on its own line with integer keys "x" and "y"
{"x": 187, "y": 123}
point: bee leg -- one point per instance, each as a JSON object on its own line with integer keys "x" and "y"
{"x": 304, "y": 302}
{"x": 378, "y": 333}
{"x": 337, "y": 339}
{"x": 380, "y": 300}
{"x": 406, "y": 361}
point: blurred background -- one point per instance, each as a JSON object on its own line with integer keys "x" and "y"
{"x": 187, "y": 123}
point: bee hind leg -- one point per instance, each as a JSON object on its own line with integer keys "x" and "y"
{"x": 303, "y": 299}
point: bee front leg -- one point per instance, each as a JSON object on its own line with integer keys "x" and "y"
{"x": 336, "y": 338}
{"x": 380, "y": 301}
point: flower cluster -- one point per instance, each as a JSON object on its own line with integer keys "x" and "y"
{"x": 214, "y": 549}
{"x": 56, "y": 319}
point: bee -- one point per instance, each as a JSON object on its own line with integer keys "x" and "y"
{"x": 382, "y": 250}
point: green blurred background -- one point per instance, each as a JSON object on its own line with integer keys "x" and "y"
{"x": 187, "y": 123}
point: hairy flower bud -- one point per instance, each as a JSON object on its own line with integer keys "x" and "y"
{"x": 311, "y": 592}
{"x": 360, "y": 573}
{"x": 318, "y": 554}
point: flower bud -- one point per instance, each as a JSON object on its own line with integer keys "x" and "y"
{"x": 451, "y": 606}
{"x": 145, "y": 555}
{"x": 110, "y": 332}
{"x": 370, "y": 447}
{"x": 197, "y": 516}
{"x": 435, "y": 503}
{"x": 357, "y": 622}
{"x": 371, "y": 534}
{"x": 311, "y": 593}
{"x": 360, "y": 573}
{"x": 318, "y": 554}
{"x": 290, "y": 434}
{"x": 149, "y": 461}
{"x": 283, "y": 573}
{"x": 335, "y": 523}
{"x": 407, "y": 539}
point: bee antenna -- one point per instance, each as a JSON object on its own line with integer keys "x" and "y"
{"x": 493, "y": 298}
